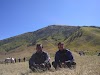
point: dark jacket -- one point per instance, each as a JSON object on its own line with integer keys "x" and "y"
{"x": 39, "y": 58}
{"x": 64, "y": 55}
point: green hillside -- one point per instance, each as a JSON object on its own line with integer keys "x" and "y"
{"x": 75, "y": 38}
{"x": 86, "y": 39}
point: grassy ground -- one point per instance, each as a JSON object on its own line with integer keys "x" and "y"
{"x": 86, "y": 65}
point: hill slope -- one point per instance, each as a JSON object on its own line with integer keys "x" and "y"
{"x": 86, "y": 39}
{"x": 33, "y": 37}
{"x": 74, "y": 37}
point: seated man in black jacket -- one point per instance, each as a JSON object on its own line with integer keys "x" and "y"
{"x": 40, "y": 59}
{"x": 63, "y": 57}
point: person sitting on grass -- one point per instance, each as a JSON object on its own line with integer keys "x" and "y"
{"x": 63, "y": 56}
{"x": 39, "y": 59}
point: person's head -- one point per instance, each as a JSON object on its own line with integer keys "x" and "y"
{"x": 39, "y": 47}
{"x": 60, "y": 46}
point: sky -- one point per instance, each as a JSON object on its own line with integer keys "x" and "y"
{"x": 21, "y": 16}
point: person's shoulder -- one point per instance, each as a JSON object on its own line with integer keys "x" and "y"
{"x": 57, "y": 52}
{"x": 68, "y": 50}
{"x": 33, "y": 54}
{"x": 44, "y": 52}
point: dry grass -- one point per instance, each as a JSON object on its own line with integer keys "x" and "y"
{"x": 86, "y": 65}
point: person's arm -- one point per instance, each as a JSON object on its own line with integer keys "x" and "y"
{"x": 31, "y": 60}
{"x": 70, "y": 56}
{"x": 57, "y": 57}
{"x": 47, "y": 58}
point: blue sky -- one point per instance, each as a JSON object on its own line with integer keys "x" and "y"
{"x": 21, "y": 16}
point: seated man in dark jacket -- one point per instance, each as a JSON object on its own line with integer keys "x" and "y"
{"x": 63, "y": 56}
{"x": 40, "y": 59}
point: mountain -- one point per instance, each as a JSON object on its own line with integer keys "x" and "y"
{"x": 75, "y": 38}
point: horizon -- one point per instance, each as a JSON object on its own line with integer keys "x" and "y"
{"x": 44, "y": 27}
{"x": 21, "y": 16}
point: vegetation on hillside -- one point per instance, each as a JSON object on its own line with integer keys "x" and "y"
{"x": 57, "y": 33}
{"x": 75, "y": 37}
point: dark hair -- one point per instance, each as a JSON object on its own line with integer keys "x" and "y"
{"x": 60, "y": 43}
{"x": 39, "y": 45}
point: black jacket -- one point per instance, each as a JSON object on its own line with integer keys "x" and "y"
{"x": 64, "y": 55}
{"x": 39, "y": 58}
